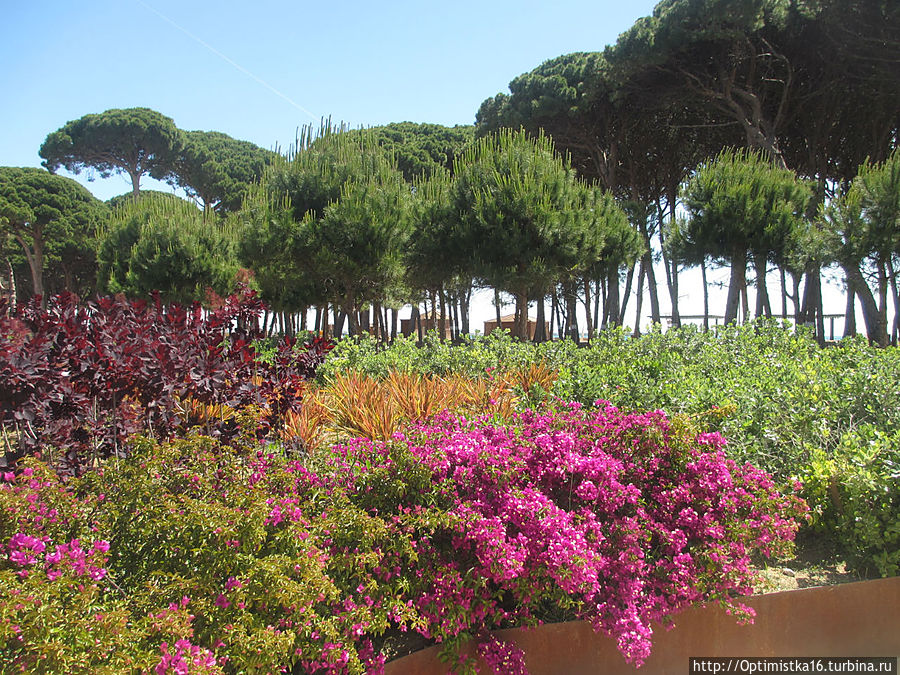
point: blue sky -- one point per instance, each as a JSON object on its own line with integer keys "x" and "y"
{"x": 259, "y": 70}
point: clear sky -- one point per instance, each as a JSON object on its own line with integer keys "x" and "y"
{"x": 259, "y": 70}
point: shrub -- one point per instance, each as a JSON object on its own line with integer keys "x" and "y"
{"x": 855, "y": 493}
{"x": 193, "y": 554}
{"x": 77, "y": 379}
{"x": 792, "y": 407}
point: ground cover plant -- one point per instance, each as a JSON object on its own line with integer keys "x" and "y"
{"x": 198, "y": 555}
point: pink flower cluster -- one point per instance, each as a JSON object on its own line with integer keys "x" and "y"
{"x": 27, "y": 552}
{"x": 186, "y": 659}
{"x": 614, "y": 510}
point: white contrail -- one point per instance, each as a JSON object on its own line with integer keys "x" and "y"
{"x": 227, "y": 60}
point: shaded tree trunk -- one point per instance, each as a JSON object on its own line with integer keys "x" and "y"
{"x": 11, "y": 289}
{"x": 626, "y": 295}
{"x": 735, "y": 285}
{"x": 783, "y": 278}
{"x": 135, "y": 176}
{"x": 34, "y": 254}
{"x": 465, "y": 302}
{"x": 521, "y": 323}
{"x": 571, "y": 316}
{"x": 876, "y": 330}
{"x": 638, "y": 302}
{"x": 850, "y": 314}
{"x": 763, "y": 308}
{"x": 611, "y": 312}
{"x": 705, "y": 296}
{"x": 540, "y": 330}
{"x": 895, "y": 330}
{"x": 587, "y": 308}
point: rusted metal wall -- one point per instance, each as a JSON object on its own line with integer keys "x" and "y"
{"x": 858, "y": 619}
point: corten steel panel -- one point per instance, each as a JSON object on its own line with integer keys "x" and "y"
{"x": 857, "y": 619}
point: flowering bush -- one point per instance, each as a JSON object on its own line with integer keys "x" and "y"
{"x": 193, "y": 556}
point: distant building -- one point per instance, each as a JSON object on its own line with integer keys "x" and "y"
{"x": 508, "y": 322}
{"x": 408, "y": 326}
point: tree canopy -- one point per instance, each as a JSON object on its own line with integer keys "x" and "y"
{"x": 330, "y": 217}
{"x": 216, "y": 170}
{"x": 420, "y": 149}
{"x": 52, "y": 219}
{"x": 135, "y": 141}
{"x": 165, "y": 245}
{"x": 740, "y": 205}
{"x": 526, "y": 220}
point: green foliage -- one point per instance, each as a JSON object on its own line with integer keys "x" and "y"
{"x": 327, "y": 222}
{"x": 53, "y": 220}
{"x": 422, "y": 149}
{"x": 165, "y": 244}
{"x": 526, "y": 220}
{"x": 217, "y": 170}
{"x": 740, "y": 201}
{"x": 136, "y": 141}
{"x": 856, "y": 492}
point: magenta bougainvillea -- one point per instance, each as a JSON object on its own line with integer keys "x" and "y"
{"x": 202, "y": 557}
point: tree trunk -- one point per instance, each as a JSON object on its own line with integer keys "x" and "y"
{"x": 669, "y": 266}
{"x": 639, "y": 302}
{"x": 521, "y": 325}
{"x": 875, "y": 328}
{"x": 377, "y": 323}
{"x": 745, "y": 303}
{"x": 34, "y": 254}
{"x": 850, "y": 313}
{"x": 587, "y": 308}
{"x": 442, "y": 322}
{"x": 649, "y": 273}
{"x": 705, "y": 296}
{"x": 571, "y": 315}
{"x": 763, "y": 308}
{"x": 629, "y": 280}
{"x": 895, "y": 330}
{"x": 395, "y": 317}
{"x": 612, "y": 297}
{"x": 11, "y": 288}
{"x": 465, "y": 302}
{"x": 882, "y": 297}
{"x": 811, "y": 289}
{"x": 554, "y": 306}
{"x": 735, "y": 285}
{"x": 795, "y": 285}
{"x": 135, "y": 182}
{"x": 540, "y": 330}
{"x": 416, "y": 321}
{"x": 497, "y": 308}
{"x": 783, "y": 292}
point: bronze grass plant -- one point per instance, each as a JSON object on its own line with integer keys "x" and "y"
{"x": 353, "y": 404}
